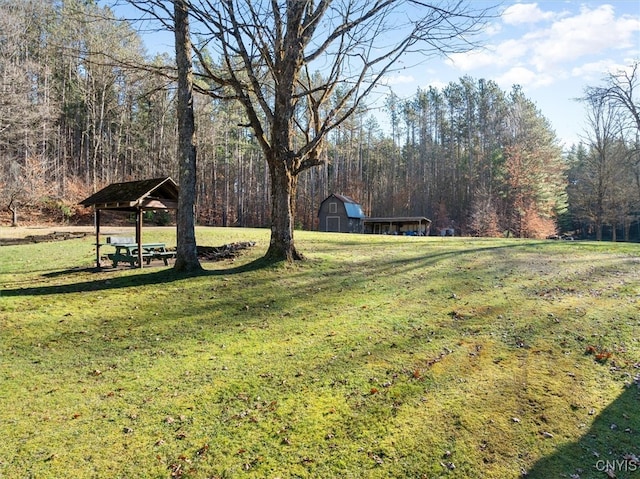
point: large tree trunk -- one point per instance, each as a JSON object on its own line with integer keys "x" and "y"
{"x": 283, "y": 209}
{"x": 186, "y": 254}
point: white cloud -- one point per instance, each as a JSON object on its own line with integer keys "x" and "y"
{"x": 588, "y": 33}
{"x": 554, "y": 49}
{"x": 492, "y": 29}
{"x": 511, "y": 51}
{"x": 397, "y": 80}
{"x": 524, "y": 76}
{"x": 437, "y": 84}
{"x": 502, "y": 55}
{"x": 517, "y": 75}
{"x": 525, "y": 13}
{"x": 545, "y": 55}
{"x": 472, "y": 60}
{"x": 596, "y": 70}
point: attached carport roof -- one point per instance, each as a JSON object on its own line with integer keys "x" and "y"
{"x": 399, "y": 219}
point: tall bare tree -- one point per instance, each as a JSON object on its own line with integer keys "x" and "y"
{"x": 265, "y": 55}
{"x": 186, "y": 254}
{"x": 620, "y": 89}
{"x": 621, "y": 92}
{"x": 601, "y": 173}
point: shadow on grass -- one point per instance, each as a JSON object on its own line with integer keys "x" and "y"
{"x": 163, "y": 276}
{"x": 611, "y": 444}
{"x": 566, "y": 461}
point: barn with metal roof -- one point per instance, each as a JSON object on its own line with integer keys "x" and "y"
{"x": 341, "y": 214}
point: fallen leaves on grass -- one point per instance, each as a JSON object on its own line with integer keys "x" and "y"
{"x": 177, "y": 469}
{"x": 601, "y": 355}
{"x": 184, "y": 466}
{"x": 430, "y": 362}
{"x": 203, "y": 450}
{"x": 448, "y": 465}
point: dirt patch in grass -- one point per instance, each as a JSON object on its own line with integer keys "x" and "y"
{"x": 43, "y": 238}
{"x": 37, "y": 234}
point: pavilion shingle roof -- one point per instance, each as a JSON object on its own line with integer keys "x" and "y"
{"x": 133, "y": 194}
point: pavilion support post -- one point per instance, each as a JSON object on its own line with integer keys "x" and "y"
{"x": 139, "y": 235}
{"x": 96, "y": 220}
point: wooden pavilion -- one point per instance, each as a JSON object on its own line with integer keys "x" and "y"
{"x": 136, "y": 197}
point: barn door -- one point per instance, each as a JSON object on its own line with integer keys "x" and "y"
{"x": 333, "y": 224}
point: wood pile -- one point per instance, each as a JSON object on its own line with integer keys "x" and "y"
{"x": 227, "y": 251}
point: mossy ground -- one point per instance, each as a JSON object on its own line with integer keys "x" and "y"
{"x": 377, "y": 356}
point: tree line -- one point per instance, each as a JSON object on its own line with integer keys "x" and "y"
{"x": 83, "y": 105}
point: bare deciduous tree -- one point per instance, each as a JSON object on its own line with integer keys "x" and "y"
{"x": 602, "y": 172}
{"x": 301, "y": 68}
{"x": 186, "y": 254}
{"x": 620, "y": 92}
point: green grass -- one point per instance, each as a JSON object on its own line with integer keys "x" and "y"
{"x": 377, "y": 357}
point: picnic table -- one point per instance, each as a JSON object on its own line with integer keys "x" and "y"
{"x": 128, "y": 253}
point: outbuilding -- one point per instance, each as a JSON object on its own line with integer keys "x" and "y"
{"x": 341, "y": 214}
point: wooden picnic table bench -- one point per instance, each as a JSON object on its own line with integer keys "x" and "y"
{"x": 128, "y": 253}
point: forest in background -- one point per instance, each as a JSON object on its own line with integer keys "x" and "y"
{"x": 83, "y": 105}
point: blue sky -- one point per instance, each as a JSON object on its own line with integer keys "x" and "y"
{"x": 553, "y": 49}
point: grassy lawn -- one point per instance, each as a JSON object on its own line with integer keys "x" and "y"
{"x": 377, "y": 357}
